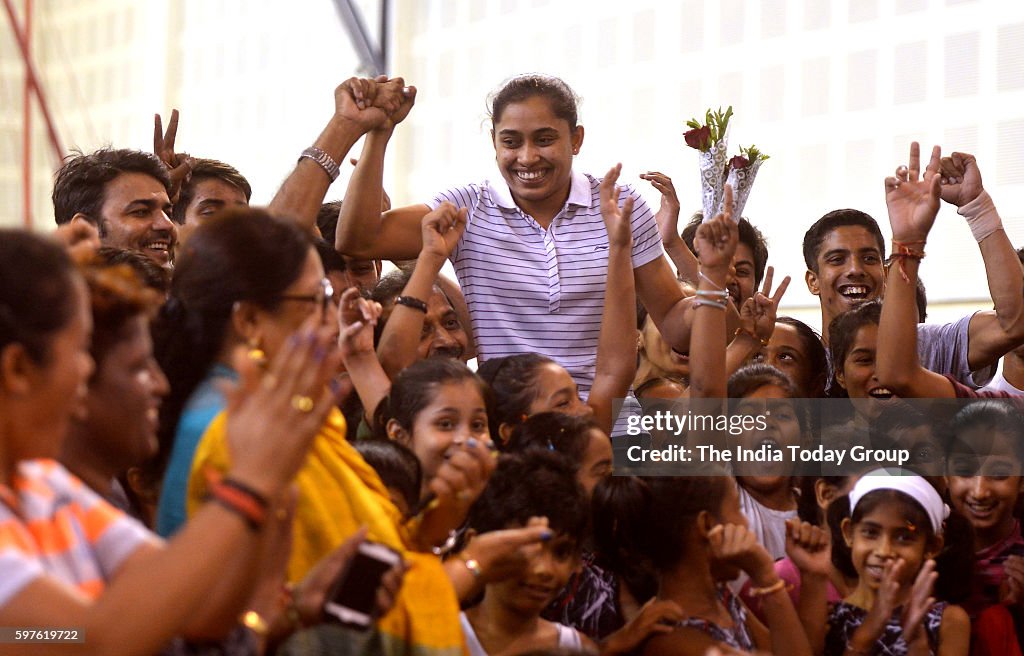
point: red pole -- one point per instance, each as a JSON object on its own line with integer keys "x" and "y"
{"x": 30, "y": 69}
{"x": 26, "y": 137}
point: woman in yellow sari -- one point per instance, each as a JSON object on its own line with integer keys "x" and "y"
{"x": 338, "y": 491}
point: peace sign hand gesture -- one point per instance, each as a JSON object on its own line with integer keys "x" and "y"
{"x": 757, "y": 314}
{"x": 178, "y": 165}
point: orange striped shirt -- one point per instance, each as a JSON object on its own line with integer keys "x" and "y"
{"x": 52, "y": 524}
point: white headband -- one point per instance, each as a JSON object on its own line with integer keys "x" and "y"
{"x": 902, "y": 480}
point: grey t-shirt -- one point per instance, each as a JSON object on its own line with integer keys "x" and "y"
{"x": 942, "y": 348}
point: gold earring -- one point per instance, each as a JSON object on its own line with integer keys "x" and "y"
{"x": 257, "y": 355}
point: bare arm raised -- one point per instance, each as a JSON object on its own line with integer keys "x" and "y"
{"x": 991, "y": 333}
{"x": 616, "y": 343}
{"x": 912, "y": 203}
{"x": 359, "y": 105}
{"x": 363, "y": 232}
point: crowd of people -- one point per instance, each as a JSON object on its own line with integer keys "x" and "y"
{"x": 209, "y": 412}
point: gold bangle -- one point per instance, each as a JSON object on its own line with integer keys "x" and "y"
{"x": 768, "y": 589}
{"x": 255, "y": 623}
{"x": 750, "y": 333}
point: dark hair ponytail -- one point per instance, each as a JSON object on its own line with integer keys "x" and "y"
{"x": 618, "y": 507}
{"x": 511, "y": 379}
{"x": 663, "y": 525}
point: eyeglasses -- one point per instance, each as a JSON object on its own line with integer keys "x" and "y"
{"x": 323, "y": 298}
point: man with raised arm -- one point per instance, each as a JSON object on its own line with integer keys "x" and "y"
{"x": 844, "y": 252}
{"x": 913, "y": 202}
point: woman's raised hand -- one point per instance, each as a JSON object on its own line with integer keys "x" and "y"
{"x": 808, "y": 546}
{"x": 274, "y": 415}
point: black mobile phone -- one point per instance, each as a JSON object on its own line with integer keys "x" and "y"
{"x": 353, "y": 596}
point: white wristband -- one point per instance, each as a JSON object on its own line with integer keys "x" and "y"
{"x": 982, "y": 217}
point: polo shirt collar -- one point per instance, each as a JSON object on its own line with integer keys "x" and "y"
{"x": 579, "y": 192}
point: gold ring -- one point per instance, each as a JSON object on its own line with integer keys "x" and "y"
{"x": 302, "y": 403}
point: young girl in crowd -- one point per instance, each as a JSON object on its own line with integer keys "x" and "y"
{"x": 985, "y": 483}
{"x": 894, "y": 530}
{"x": 853, "y": 342}
{"x": 435, "y": 407}
{"x": 796, "y": 350}
{"x": 767, "y": 494}
{"x": 507, "y": 620}
{"x": 695, "y": 536}
{"x": 578, "y": 438}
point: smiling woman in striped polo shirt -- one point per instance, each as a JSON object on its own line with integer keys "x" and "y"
{"x": 534, "y": 256}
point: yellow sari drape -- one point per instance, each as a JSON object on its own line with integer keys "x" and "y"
{"x": 338, "y": 493}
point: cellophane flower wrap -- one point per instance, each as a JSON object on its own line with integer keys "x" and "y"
{"x": 742, "y": 171}
{"x": 711, "y": 140}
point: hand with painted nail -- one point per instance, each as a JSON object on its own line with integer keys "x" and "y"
{"x": 458, "y": 482}
{"x": 505, "y": 554}
{"x": 274, "y": 415}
